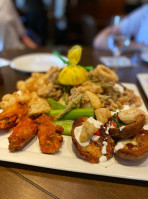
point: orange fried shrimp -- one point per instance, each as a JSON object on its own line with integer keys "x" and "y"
{"x": 49, "y": 135}
{"x": 12, "y": 115}
{"x": 22, "y": 134}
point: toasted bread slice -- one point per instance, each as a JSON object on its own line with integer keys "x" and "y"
{"x": 137, "y": 150}
{"x": 93, "y": 151}
{"x": 129, "y": 130}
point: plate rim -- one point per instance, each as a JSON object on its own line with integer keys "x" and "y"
{"x": 29, "y": 55}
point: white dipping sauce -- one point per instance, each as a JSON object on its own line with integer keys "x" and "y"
{"x": 97, "y": 124}
{"x": 119, "y": 145}
{"x": 104, "y": 147}
{"x": 78, "y": 130}
{"x": 125, "y": 107}
{"x": 121, "y": 128}
{"x": 77, "y": 133}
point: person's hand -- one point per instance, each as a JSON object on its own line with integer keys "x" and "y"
{"x": 138, "y": 46}
{"x": 101, "y": 39}
{"x": 28, "y": 42}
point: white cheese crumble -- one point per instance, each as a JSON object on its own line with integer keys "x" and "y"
{"x": 102, "y": 159}
{"x": 96, "y": 123}
{"x": 95, "y": 137}
{"x": 104, "y": 147}
{"x": 121, "y": 128}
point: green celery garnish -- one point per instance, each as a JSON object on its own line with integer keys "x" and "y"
{"x": 116, "y": 120}
{"x": 60, "y": 57}
{"x": 68, "y": 63}
{"x": 55, "y": 105}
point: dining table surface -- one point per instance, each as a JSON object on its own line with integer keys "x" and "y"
{"x": 23, "y": 181}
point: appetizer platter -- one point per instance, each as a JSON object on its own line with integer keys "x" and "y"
{"x": 79, "y": 119}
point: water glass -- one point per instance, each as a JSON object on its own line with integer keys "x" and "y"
{"x": 117, "y": 42}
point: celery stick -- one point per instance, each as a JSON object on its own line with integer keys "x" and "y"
{"x": 66, "y": 124}
{"x": 74, "y": 113}
{"x": 55, "y": 105}
{"x": 72, "y": 104}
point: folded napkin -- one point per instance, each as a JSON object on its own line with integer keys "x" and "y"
{"x": 121, "y": 61}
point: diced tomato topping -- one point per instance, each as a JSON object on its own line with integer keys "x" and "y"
{"x": 105, "y": 125}
{"x": 117, "y": 117}
{"x": 113, "y": 124}
{"x": 97, "y": 133}
{"x": 142, "y": 130}
{"x": 51, "y": 117}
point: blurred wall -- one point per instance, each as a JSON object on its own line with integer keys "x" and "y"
{"x": 99, "y": 10}
{"x": 80, "y": 20}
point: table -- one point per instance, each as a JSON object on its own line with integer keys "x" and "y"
{"x": 23, "y": 181}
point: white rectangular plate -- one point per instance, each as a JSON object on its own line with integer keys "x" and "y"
{"x": 143, "y": 79}
{"x": 66, "y": 158}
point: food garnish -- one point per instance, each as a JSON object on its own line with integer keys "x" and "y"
{"x": 127, "y": 130}
{"x": 55, "y": 105}
{"x": 115, "y": 121}
{"x": 74, "y": 113}
{"x": 73, "y": 104}
{"x": 135, "y": 148}
{"x": 66, "y": 124}
{"x": 68, "y": 63}
{"x": 73, "y": 74}
{"x": 94, "y": 151}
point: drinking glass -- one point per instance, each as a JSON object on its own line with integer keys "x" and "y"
{"x": 117, "y": 42}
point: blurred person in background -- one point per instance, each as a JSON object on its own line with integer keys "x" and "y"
{"x": 134, "y": 25}
{"x": 36, "y": 20}
{"x": 61, "y": 21}
{"x": 14, "y": 34}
